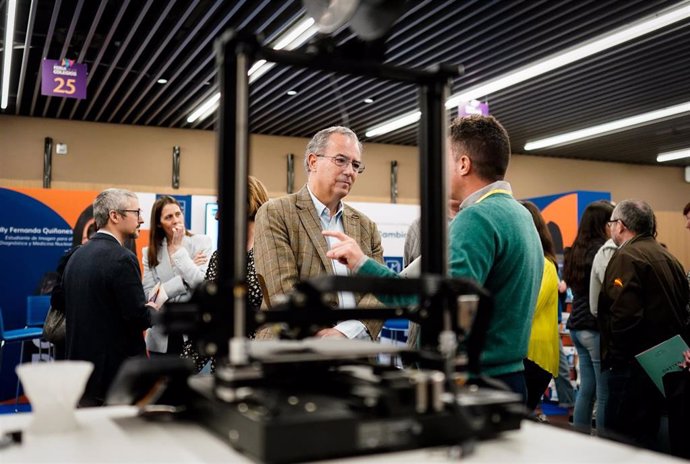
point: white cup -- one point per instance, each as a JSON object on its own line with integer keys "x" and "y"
{"x": 54, "y": 389}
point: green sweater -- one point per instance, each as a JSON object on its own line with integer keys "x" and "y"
{"x": 494, "y": 242}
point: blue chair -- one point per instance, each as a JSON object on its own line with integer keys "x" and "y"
{"x": 37, "y": 307}
{"x": 17, "y": 336}
{"x": 395, "y": 330}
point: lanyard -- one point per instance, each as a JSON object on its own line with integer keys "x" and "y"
{"x": 493, "y": 192}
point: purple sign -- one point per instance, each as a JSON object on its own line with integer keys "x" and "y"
{"x": 63, "y": 78}
{"x": 473, "y": 107}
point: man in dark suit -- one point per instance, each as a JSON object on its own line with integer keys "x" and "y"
{"x": 643, "y": 301}
{"x": 106, "y": 308}
{"x": 288, "y": 245}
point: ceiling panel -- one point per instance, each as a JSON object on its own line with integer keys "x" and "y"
{"x": 129, "y": 45}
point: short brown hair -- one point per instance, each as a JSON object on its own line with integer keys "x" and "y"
{"x": 686, "y": 210}
{"x": 486, "y": 143}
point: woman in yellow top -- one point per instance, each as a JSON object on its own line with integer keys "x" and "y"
{"x": 541, "y": 363}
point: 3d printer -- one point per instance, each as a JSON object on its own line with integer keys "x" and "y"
{"x": 303, "y": 399}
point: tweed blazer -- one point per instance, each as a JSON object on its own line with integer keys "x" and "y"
{"x": 289, "y": 247}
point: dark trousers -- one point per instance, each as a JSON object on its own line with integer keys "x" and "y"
{"x": 634, "y": 408}
{"x": 536, "y": 380}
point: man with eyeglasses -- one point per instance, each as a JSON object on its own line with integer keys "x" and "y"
{"x": 643, "y": 301}
{"x": 106, "y": 310}
{"x": 288, "y": 245}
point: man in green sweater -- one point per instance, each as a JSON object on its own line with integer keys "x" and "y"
{"x": 493, "y": 241}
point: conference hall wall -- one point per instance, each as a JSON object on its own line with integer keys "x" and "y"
{"x": 140, "y": 158}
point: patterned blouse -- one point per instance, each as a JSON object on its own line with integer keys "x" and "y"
{"x": 254, "y": 298}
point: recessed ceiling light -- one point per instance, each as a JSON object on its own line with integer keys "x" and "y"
{"x": 162, "y": 81}
{"x": 291, "y": 92}
{"x": 368, "y": 100}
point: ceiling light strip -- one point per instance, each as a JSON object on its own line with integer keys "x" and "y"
{"x": 395, "y": 124}
{"x": 296, "y": 32}
{"x": 576, "y": 53}
{"x": 25, "y": 58}
{"x": 205, "y": 108}
{"x": 7, "y": 58}
{"x": 673, "y": 155}
{"x": 609, "y": 127}
{"x": 621, "y": 35}
{"x": 297, "y": 35}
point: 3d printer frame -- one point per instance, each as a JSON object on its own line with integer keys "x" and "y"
{"x": 236, "y": 52}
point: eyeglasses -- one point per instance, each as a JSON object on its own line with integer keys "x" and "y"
{"x": 342, "y": 162}
{"x": 138, "y": 211}
{"x": 613, "y": 221}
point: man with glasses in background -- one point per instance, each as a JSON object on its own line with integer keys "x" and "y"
{"x": 106, "y": 310}
{"x": 289, "y": 246}
{"x": 643, "y": 302}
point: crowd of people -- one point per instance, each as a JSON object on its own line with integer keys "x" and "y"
{"x": 629, "y": 292}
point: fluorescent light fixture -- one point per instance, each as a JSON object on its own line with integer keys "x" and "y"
{"x": 395, "y": 124}
{"x": 368, "y": 100}
{"x": 255, "y": 67}
{"x": 291, "y": 92}
{"x": 162, "y": 81}
{"x": 205, "y": 109}
{"x": 256, "y": 72}
{"x": 609, "y": 127}
{"x": 293, "y": 38}
{"x": 296, "y": 36}
{"x": 673, "y": 155}
{"x": 7, "y": 58}
{"x": 621, "y": 35}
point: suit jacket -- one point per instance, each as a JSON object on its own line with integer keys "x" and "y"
{"x": 179, "y": 281}
{"x": 643, "y": 301}
{"x": 289, "y": 247}
{"x": 105, "y": 310}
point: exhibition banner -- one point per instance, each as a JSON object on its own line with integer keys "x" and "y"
{"x": 392, "y": 220}
{"x": 562, "y": 213}
{"x": 37, "y": 226}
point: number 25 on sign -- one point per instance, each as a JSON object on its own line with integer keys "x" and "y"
{"x": 64, "y": 86}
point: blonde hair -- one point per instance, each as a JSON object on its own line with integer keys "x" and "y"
{"x": 256, "y": 196}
